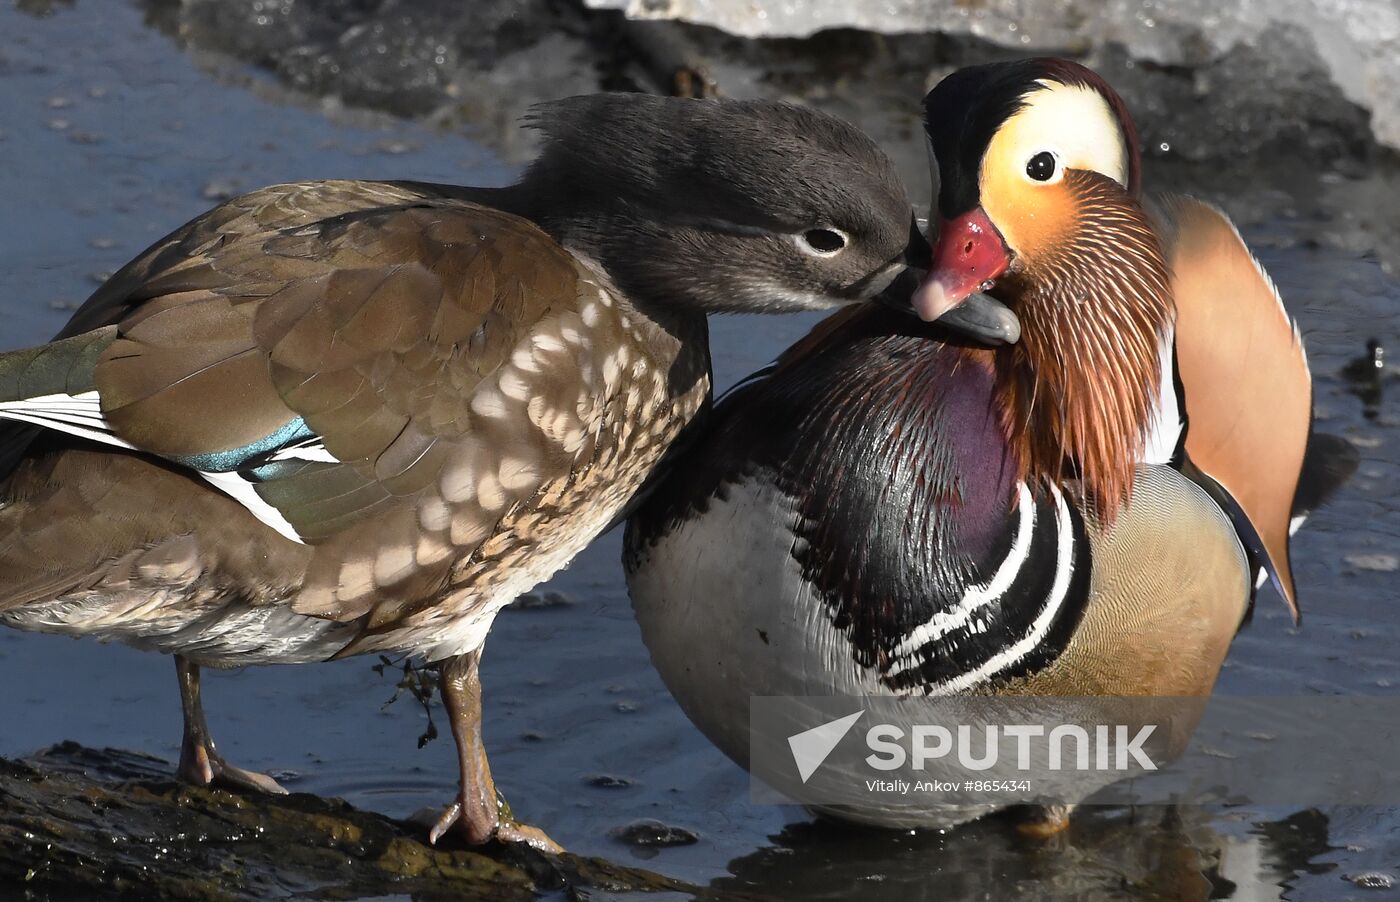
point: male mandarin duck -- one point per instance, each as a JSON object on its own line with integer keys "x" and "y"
{"x": 333, "y": 418}
{"x": 890, "y": 511}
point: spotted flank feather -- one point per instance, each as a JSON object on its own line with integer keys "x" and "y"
{"x": 405, "y": 384}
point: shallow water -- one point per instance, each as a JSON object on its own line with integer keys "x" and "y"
{"x": 110, "y": 135}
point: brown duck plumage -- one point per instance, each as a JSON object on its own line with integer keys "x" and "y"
{"x": 477, "y": 388}
{"x": 338, "y": 417}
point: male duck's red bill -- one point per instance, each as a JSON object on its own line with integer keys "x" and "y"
{"x": 969, "y": 255}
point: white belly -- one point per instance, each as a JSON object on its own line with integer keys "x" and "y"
{"x": 163, "y": 620}
{"x": 727, "y": 615}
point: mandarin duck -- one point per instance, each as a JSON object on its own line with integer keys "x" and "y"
{"x": 335, "y": 418}
{"x": 890, "y": 511}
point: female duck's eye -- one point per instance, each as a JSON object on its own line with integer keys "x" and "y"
{"x": 823, "y": 242}
{"x": 1041, "y": 167}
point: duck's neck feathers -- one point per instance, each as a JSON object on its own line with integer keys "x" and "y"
{"x": 1080, "y": 391}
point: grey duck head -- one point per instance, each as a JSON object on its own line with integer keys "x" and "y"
{"x": 721, "y": 205}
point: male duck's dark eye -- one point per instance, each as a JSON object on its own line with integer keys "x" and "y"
{"x": 1041, "y": 166}
{"x": 824, "y": 241}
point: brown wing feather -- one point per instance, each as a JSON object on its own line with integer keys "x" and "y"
{"x": 434, "y": 345}
{"x": 400, "y": 374}
{"x": 263, "y": 211}
{"x": 68, "y": 523}
{"x": 1243, "y": 369}
{"x": 260, "y": 212}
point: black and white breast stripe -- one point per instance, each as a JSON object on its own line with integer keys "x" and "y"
{"x": 1016, "y": 621}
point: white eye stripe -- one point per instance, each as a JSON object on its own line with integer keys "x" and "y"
{"x": 1073, "y": 122}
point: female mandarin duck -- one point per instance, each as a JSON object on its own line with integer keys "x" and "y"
{"x": 885, "y": 511}
{"x": 334, "y": 418}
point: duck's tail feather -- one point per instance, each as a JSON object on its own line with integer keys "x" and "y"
{"x": 63, "y": 367}
{"x": 50, "y": 386}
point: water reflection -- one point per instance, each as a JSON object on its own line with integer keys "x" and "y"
{"x": 1155, "y": 852}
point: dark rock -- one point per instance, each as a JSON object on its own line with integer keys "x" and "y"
{"x": 80, "y": 823}
{"x": 654, "y": 834}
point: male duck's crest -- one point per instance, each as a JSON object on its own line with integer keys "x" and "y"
{"x": 1040, "y": 204}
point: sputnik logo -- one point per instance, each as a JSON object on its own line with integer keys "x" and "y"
{"x": 811, "y": 747}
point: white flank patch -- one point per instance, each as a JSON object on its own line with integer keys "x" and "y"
{"x": 1165, "y": 425}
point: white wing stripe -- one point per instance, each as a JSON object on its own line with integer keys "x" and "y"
{"x": 309, "y": 451}
{"x": 81, "y": 415}
{"x": 242, "y": 491}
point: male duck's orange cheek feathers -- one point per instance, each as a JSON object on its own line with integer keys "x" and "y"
{"x": 1243, "y": 370}
{"x": 1034, "y": 219}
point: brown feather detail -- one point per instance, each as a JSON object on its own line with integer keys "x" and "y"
{"x": 397, "y": 358}
{"x": 493, "y": 402}
{"x": 76, "y": 520}
{"x": 164, "y": 374}
{"x": 256, "y": 213}
{"x": 1081, "y": 384}
{"x": 1232, "y": 333}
